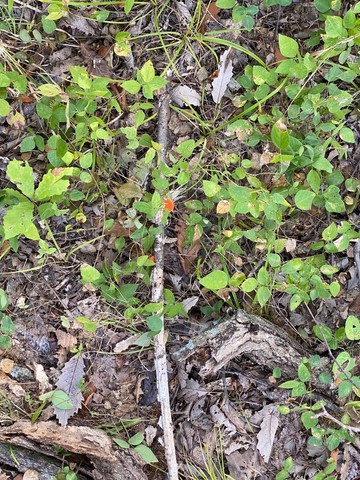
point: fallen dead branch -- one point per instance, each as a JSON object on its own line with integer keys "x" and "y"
{"x": 94, "y": 444}
{"x": 157, "y": 296}
{"x": 243, "y": 334}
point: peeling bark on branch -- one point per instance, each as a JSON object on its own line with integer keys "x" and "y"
{"x": 258, "y": 339}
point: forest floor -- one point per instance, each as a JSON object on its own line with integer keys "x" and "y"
{"x": 258, "y": 201}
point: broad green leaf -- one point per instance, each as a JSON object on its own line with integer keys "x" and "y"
{"x": 334, "y": 440}
{"x": 345, "y": 388}
{"x": 136, "y": 439}
{"x": 147, "y": 72}
{"x": 334, "y": 27}
{"x": 186, "y": 148}
{"x": 280, "y": 135}
{"x": 314, "y": 180}
{"x": 304, "y": 199}
{"x": 27, "y": 144}
{"x": 5, "y": 342}
{"x": 86, "y": 160}
{"x": 347, "y": 135}
{"x": 263, "y": 295}
{"x": 49, "y": 90}
{"x": 288, "y": 46}
{"x": 131, "y": 86}
{"x": 328, "y": 270}
{"x": 146, "y": 454}
{"x": 61, "y": 400}
{"x": 352, "y": 328}
{"x": 215, "y": 280}
{"x": 225, "y": 3}
{"x": 330, "y": 232}
{"x": 4, "y": 108}
{"x": 211, "y": 188}
{"x": 128, "y": 6}
{"x": 334, "y": 288}
{"x": 54, "y": 182}
{"x": 304, "y": 372}
{"x": 154, "y": 323}
{"x": 89, "y": 274}
{"x": 308, "y": 421}
{"x": 22, "y": 177}
{"x": 4, "y": 301}
{"x": 18, "y": 219}
{"x": 121, "y": 443}
{"x": 249, "y": 285}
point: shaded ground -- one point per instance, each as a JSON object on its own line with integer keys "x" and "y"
{"x": 218, "y": 417}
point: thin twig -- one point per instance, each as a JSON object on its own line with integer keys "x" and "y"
{"x": 327, "y": 415}
{"x": 158, "y": 296}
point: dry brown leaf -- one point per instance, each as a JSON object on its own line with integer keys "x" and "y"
{"x": 223, "y": 207}
{"x": 6, "y": 365}
{"x": 66, "y": 340}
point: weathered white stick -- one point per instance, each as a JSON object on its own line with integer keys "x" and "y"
{"x": 158, "y": 296}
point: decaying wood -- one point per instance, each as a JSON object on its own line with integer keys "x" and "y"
{"x": 243, "y": 334}
{"x": 23, "y": 459}
{"x": 96, "y": 445}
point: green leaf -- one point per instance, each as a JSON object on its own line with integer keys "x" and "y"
{"x": 4, "y": 301}
{"x": 54, "y": 182}
{"x": 5, "y": 342}
{"x": 49, "y": 90}
{"x": 314, "y": 181}
{"x": 131, "y": 86}
{"x": 22, "y": 177}
{"x": 18, "y": 220}
{"x": 146, "y": 454}
{"x": 290, "y": 384}
{"x": 154, "y": 323}
{"x": 322, "y": 6}
{"x": 186, "y": 148}
{"x": 215, "y": 280}
{"x": 347, "y": 135}
{"x": 89, "y": 274}
{"x": 304, "y": 372}
{"x": 304, "y": 199}
{"x": 27, "y": 144}
{"x": 280, "y": 135}
{"x": 136, "y": 439}
{"x": 88, "y": 325}
{"x": 263, "y": 295}
{"x": 334, "y": 27}
{"x": 121, "y": 443}
{"x": 210, "y": 188}
{"x": 308, "y": 421}
{"x": 334, "y": 288}
{"x": 7, "y": 325}
{"x": 61, "y": 400}
{"x": 345, "y": 388}
{"x": 334, "y": 440}
{"x": 249, "y": 285}
{"x": 288, "y": 46}
{"x": 330, "y": 232}
{"x": 128, "y": 6}
{"x": 352, "y": 328}
{"x": 225, "y": 3}
{"x": 147, "y": 72}
{"x": 328, "y": 270}
{"x": 4, "y": 108}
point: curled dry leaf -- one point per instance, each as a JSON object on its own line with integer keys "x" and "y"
{"x": 70, "y": 381}
{"x": 185, "y": 95}
{"x": 220, "y": 83}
